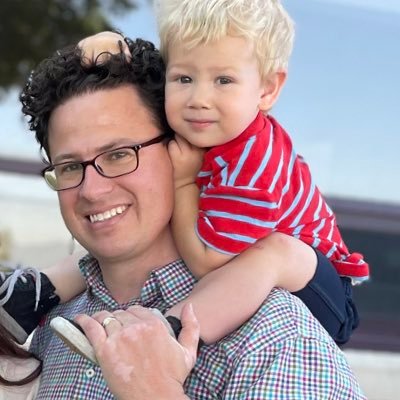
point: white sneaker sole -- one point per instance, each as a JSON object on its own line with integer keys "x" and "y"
{"x": 73, "y": 338}
{"x": 12, "y": 326}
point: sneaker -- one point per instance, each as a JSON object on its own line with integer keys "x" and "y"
{"x": 26, "y": 295}
{"x": 74, "y": 337}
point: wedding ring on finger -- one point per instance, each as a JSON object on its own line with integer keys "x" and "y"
{"x": 107, "y": 320}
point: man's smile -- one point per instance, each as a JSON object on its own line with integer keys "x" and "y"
{"x": 100, "y": 217}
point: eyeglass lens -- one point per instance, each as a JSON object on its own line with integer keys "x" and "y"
{"x": 109, "y": 164}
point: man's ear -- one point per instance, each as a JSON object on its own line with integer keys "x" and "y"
{"x": 272, "y": 88}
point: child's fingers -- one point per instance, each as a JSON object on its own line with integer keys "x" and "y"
{"x": 97, "y": 48}
{"x": 126, "y": 51}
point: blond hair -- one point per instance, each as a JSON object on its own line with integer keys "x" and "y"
{"x": 264, "y": 23}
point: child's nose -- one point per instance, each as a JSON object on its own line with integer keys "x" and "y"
{"x": 200, "y": 97}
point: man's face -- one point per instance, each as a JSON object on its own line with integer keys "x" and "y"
{"x": 131, "y": 212}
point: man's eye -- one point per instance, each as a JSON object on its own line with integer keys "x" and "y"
{"x": 224, "y": 80}
{"x": 70, "y": 168}
{"x": 184, "y": 79}
{"x": 118, "y": 155}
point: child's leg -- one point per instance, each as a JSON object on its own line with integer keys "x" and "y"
{"x": 329, "y": 298}
{"x": 26, "y": 295}
{"x": 225, "y": 298}
{"x": 66, "y": 277}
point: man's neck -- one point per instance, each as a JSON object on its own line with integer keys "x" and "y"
{"x": 125, "y": 278}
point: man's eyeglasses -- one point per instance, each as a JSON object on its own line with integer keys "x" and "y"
{"x": 111, "y": 164}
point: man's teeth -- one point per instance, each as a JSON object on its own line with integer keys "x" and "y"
{"x": 107, "y": 214}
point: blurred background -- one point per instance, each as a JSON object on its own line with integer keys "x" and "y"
{"x": 339, "y": 105}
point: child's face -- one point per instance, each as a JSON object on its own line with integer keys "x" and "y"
{"x": 213, "y": 91}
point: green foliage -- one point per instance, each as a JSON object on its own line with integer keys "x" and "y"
{"x": 31, "y": 29}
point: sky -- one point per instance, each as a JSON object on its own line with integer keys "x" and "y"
{"x": 373, "y": 5}
{"x": 339, "y": 104}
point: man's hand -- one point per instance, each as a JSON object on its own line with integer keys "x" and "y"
{"x": 96, "y": 48}
{"x": 186, "y": 160}
{"x": 138, "y": 356}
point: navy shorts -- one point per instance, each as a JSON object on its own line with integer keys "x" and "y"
{"x": 330, "y": 298}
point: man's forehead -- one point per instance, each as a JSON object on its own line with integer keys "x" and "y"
{"x": 97, "y": 98}
{"x": 97, "y": 121}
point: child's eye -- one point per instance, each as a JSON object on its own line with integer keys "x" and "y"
{"x": 184, "y": 79}
{"x": 224, "y": 80}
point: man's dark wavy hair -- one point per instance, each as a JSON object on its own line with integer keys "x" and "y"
{"x": 62, "y": 76}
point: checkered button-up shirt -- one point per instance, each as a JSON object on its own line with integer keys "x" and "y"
{"x": 280, "y": 353}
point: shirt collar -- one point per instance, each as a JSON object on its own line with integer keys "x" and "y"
{"x": 260, "y": 123}
{"x": 170, "y": 283}
{"x": 174, "y": 280}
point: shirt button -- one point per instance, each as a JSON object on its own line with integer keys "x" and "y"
{"x": 90, "y": 373}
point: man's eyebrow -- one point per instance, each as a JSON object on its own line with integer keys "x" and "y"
{"x": 109, "y": 146}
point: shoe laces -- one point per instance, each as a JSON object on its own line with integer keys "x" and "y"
{"x": 10, "y": 279}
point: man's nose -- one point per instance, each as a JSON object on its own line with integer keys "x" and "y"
{"x": 200, "y": 96}
{"x": 94, "y": 185}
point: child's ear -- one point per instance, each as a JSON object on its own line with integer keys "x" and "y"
{"x": 271, "y": 89}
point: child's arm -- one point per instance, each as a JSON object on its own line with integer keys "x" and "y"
{"x": 66, "y": 277}
{"x": 199, "y": 258}
{"x": 225, "y": 298}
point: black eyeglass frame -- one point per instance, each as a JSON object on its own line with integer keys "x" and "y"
{"x": 92, "y": 162}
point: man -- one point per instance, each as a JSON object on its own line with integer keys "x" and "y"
{"x": 104, "y": 129}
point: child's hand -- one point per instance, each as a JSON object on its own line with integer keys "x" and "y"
{"x": 95, "y": 49}
{"x": 186, "y": 160}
